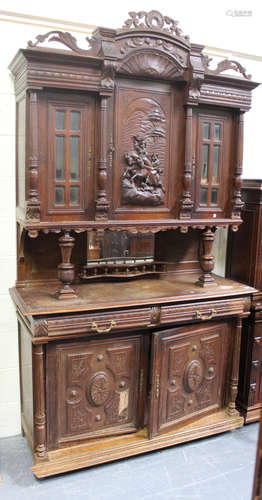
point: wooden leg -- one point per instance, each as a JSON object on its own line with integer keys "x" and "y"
{"x": 39, "y": 402}
{"x": 233, "y": 382}
{"x": 66, "y": 270}
{"x": 206, "y": 259}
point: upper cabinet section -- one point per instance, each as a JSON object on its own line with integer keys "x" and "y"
{"x": 133, "y": 131}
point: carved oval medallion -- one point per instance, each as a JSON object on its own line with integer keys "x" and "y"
{"x": 99, "y": 389}
{"x": 193, "y": 376}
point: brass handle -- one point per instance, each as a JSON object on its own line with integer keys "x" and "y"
{"x": 204, "y": 317}
{"x": 95, "y": 327}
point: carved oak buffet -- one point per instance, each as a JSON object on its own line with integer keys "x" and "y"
{"x": 136, "y": 143}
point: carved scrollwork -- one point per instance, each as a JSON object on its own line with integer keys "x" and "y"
{"x": 224, "y": 66}
{"x": 153, "y": 20}
{"x": 63, "y": 37}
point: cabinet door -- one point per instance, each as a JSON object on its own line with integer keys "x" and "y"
{"x": 67, "y": 179}
{"x": 97, "y": 389}
{"x": 188, "y": 374}
{"x": 213, "y": 162}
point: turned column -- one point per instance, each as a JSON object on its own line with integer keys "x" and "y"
{"x": 39, "y": 402}
{"x": 206, "y": 259}
{"x": 33, "y": 204}
{"x": 66, "y": 270}
{"x": 102, "y": 203}
{"x": 233, "y": 382}
{"x": 186, "y": 202}
{"x": 237, "y": 203}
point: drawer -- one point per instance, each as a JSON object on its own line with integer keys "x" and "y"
{"x": 97, "y": 323}
{"x": 204, "y": 311}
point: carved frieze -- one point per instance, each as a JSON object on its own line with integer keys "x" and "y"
{"x": 132, "y": 43}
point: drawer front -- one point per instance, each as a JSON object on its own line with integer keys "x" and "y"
{"x": 144, "y": 317}
{"x": 98, "y": 323}
{"x": 203, "y": 311}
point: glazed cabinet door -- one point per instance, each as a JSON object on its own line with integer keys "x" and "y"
{"x": 95, "y": 388}
{"x": 67, "y": 154}
{"x": 188, "y": 374}
{"x": 214, "y": 163}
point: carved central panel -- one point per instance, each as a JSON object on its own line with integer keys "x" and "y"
{"x": 143, "y": 128}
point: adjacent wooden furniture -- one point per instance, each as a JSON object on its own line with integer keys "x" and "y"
{"x": 129, "y": 157}
{"x": 244, "y": 263}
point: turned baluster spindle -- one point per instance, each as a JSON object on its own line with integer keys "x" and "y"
{"x": 233, "y": 382}
{"x": 206, "y": 259}
{"x": 66, "y": 270}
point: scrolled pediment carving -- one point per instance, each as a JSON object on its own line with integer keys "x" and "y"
{"x": 155, "y": 21}
{"x": 150, "y": 63}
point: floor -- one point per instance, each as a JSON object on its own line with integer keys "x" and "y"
{"x": 220, "y": 467}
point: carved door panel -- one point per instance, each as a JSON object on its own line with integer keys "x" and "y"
{"x": 99, "y": 388}
{"x": 144, "y": 166}
{"x": 188, "y": 374}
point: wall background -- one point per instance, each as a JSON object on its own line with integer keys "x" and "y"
{"x": 226, "y": 35}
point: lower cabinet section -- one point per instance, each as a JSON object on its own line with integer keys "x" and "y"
{"x": 108, "y": 396}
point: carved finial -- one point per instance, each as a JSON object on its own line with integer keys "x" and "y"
{"x": 153, "y": 20}
{"x": 58, "y": 36}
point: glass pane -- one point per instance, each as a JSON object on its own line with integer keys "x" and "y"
{"x": 60, "y": 158}
{"x": 74, "y": 158}
{"x": 60, "y": 120}
{"x": 206, "y": 130}
{"x": 214, "y": 196}
{"x": 74, "y": 195}
{"x": 59, "y": 195}
{"x": 215, "y": 164}
{"x": 205, "y": 160}
{"x": 217, "y": 131}
{"x": 203, "y": 196}
{"x": 74, "y": 120}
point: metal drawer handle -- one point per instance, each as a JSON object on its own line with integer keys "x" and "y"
{"x": 95, "y": 327}
{"x": 204, "y": 317}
